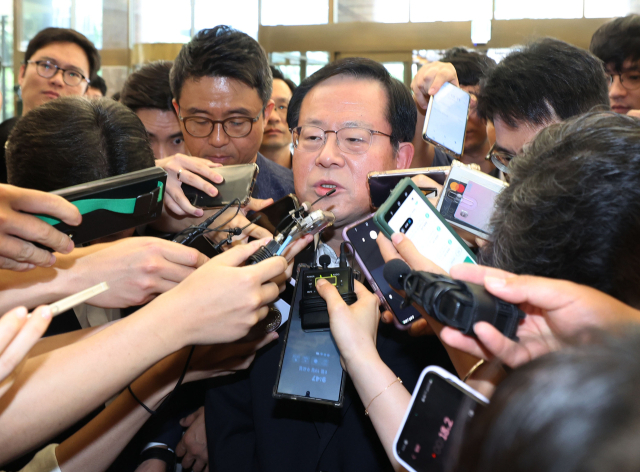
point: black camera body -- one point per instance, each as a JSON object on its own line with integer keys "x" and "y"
{"x": 453, "y": 302}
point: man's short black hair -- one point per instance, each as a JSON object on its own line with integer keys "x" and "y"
{"x": 401, "y": 110}
{"x": 470, "y": 66}
{"x": 65, "y": 35}
{"x": 223, "y": 52}
{"x": 98, "y": 83}
{"x": 572, "y": 209}
{"x": 617, "y": 41}
{"x": 72, "y": 140}
{"x": 149, "y": 87}
{"x": 546, "y": 81}
{"x": 277, "y": 74}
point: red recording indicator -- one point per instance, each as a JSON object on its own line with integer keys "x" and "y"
{"x": 433, "y": 455}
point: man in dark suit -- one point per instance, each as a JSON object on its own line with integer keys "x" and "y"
{"x": 348, "y": 119}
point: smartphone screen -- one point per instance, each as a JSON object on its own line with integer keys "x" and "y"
{"x": 363, "y": 239}
{"x": 310, "y": 365}
{"x": 381, "y": 185}
{"x": 276, "y": 213}
{"x": 419, "y": 221}
{"x": 447, "y": 118}
{"x": 439, "y": 410}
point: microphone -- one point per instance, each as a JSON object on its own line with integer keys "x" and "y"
{"x": 453, "y": 302}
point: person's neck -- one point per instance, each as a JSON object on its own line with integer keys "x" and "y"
{"x": 281, "y": 155}
{"x": 477, "y": 155}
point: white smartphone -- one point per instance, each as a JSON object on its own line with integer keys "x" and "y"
{"x": 445, "y": 124}
{"x": 440, "y": 407}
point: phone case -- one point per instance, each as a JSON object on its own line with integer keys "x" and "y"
{"x": 238, "y": 183}
{"x": 320, "y": 361}
{"x": 271, "y": 216}
{"x": 439, "y": 371}
{"x": 378, "y": 218}
{"x": 381, "y": 184}
{"x": 425, "y": 137}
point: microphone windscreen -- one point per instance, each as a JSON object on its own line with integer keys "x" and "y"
{"x": 393, "y": 271}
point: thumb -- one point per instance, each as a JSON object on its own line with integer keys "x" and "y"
{"x": 412, "y": 256}
{"x": 237, "y": 255}
{"x": 330, "y": 294}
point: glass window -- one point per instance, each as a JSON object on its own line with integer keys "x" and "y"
{"x": 153, "y": 24}
{"x": 316, "y": 60}
{"x": 608, "y": 9}
{"x": 463, "y": 10}
{"x": 239, "y": 14}
{"x": 294, "y": 12}
{"x": 396, "y": 69}
{"x": 381, "y": 11}
{"x": 288, "y": 63}
{"x": 6, "y": 55}
{"x": 40, "y": 14}
{"x": 88, "y": 20}
{"x": 510, "y": 10}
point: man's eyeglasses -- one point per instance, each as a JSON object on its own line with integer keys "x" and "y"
{"x": 499, "y": 158}
{"x": 629, "y": 80}
{"x": 350, "y": 140}
{"x": 46, "y": 70}
{"x": 234, "y": 127}
{"x": 281, "y": 110}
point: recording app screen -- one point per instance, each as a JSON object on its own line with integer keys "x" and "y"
{"x": 448, "y": 118}
{"x": 363, "y": 238}
{"x": 311, "y": 363}
{"x": 429, "y": 234}
{"x": 439, "y": 412}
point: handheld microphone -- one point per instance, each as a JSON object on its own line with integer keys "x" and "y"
{"x": 453, "y": 302}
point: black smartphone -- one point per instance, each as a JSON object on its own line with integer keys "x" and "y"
{"x": 381, "y": 184}
{"x": 276, "y": 213}
{"x": 238, "y": 184}
{"x": 362, "y": 235}
{"x": 310, "y": 368}
{"x": 440, "y": 407}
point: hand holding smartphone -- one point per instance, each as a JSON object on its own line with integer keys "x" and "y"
{"x": 238, "y": 183}
{"x": 445, "y": 123}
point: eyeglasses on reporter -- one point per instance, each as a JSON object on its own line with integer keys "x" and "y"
{"x": 351, "y": 140}
{"x": 71, "y": 77}
{"x": 234, "y": 127}
{"x": 500, "y": 159}
{"x": 630, "y": 80}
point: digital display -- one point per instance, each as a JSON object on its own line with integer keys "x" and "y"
{"x": 363, "y": 239}
{"x": 440, "y": 408}
{"x": 311, "y": 361}
{"x": 447, "y": 121}
{"x": 411, "y": 215}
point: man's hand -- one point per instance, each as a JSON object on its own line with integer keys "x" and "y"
{"x": 555, "y": 309}
{"x": 241, "y": 221}
{"x": 17, "y": 228}
{"x": 137, "y": 270}
{"x": 193, "y": 445}
{"x": 19, "y": 331}
{"x": 634, "y": 113}
{"x": 191, "y": 170}
{"x": 354, "y": 327}
{"x": 429, "y": 79}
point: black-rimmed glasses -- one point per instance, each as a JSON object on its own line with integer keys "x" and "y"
{"x": 46, "y": 70}
{"x": 629, "y": 80}
{"x": 234, "y": 127}
{"x": 350, "y": 140}
{"x": 499, "y": 158}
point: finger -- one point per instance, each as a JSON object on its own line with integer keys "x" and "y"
{"x": 30, "y": 228}
{"x": 269, "y": 292}
{"x": 548, "y": 294}
{"x": 387, "y": 250}
{"x": 330, "y": 294}
{"x": 420, "y": 328}
{"x": 257, "y": 204}
{"x": 198, "y": 182}
{"x": 198, "y": 465}
{"x": 257, "y": 232}
{"x": 10, "y": 325}
{"x": 270, "y": 268}
{"x": 43, "y": 203}
{"x": 294, "y": 249}
{"x": 181, "y": 449}
{"x": 446, "y": 73}
{"x": 412, "y": 256}
{"x": 468, "y": 344}
{"x": 172, "y": 206}
{"x": 183, "y": 202}
{"x": 476, "y": 273}
{"x": 23, "y": 251}
{"x": 200, "y": 167}
{"x": 363, "y": 294}
{"x": 179, "y": 254}
{"x": 187, "y": 420}
{"x": 30, "y": 333}
{"x": 188, "y": 460}
{"x": 237, "y": 255}
{"x": 505, "y": 349}
{"x": 386, "y": 317}
{"x": 10, "y": 264}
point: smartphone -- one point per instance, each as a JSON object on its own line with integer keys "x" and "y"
{"x": 381, "y": 184}
{"x": 362, "y": 235}
{"x": 238, "y": 183}
{"x": 309, "y": 367}
{"x": 440, "y": 407}
{"x": 276, "y": 213}
{"x": 111, "y": 205}
{"x": 445, "y": 123}
{"x": 408, "y": 211}
{"x": 468, "y": 199}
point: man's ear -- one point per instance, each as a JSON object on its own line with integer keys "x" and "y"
{"x": 176, "y": 107}
{"x": 21, "y": 74}
{"x": 267, "y": 112}
{"x": 404, "y": 156}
